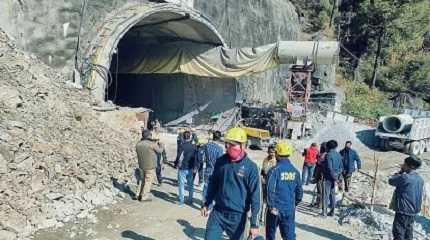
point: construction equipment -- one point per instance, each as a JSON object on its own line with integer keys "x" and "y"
{"x": 409, "y": 132}
{"x": 258, "y": 137}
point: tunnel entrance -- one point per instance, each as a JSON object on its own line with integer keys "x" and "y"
{"x": 170, "y": 96}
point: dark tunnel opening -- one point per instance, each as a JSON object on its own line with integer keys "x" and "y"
{"x": 170, "y": 96}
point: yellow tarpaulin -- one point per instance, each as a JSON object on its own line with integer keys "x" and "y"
{"x": 200, "y": 59}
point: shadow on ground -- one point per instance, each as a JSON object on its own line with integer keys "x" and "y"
{"x": 367, "y": 137}
{"x": 191, "y": 232}
{"x": 168, "y": 197}
{"x": 123, "y": 187}
{"x": 322, "y": 232}
{"x": 135, "y": 236}
{"x": 308, "y": 210}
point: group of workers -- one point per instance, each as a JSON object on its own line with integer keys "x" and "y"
{"x": 329, "y": 169}
{"x": 232, "y": 183}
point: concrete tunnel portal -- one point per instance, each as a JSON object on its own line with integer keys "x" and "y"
{"x": 168, "y": 95}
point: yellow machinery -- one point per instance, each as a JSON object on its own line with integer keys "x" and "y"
{"x": 257, "y": 137}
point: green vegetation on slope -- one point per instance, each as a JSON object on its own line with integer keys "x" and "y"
{"x": 364, "y": 102}
{"x": 385, "y": 45}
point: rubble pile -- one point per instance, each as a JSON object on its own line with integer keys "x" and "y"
{"x": 56, "y": 157}
{"x": 378, "y": 224}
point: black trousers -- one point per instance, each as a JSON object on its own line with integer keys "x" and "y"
{"x": 347, "y": 181}
{"x": 403, "y": 227}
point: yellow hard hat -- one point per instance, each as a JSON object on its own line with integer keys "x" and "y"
{"x": 283, "y": 148}
{"x": 236, "y": 135}
{"x": 201, "y": 141}
{"x": 155, "y": 136}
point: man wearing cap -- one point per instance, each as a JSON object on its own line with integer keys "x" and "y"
{"x": 235, "y": 188}
{"x": 147, "y": 150}
{"x": 407, "y": 198}
{"x": 284, "y": 192}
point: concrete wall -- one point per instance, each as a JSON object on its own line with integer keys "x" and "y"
{"x": 49, "y": 29}
{"x": 253, "y": 23}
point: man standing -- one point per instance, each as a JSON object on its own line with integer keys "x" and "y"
{"x": 332, "y": 169}
{"x": 161, "y": 159}
{"x": 235, "y": 188}
{"x": 407, "y": 198}
{"x": 310, "y": 154}
{"x": 350, "y": 159}
{"x": 284, "y": 192}
{"x": 213, "y": 151}
{"x": 147, "y": 150}
{"x": 185, "y": 165}
{"x": 268, "y": 163}
{"x": 200, "y": 163}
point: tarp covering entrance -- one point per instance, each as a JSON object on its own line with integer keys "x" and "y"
{"x": 201, "y": 60}
{"x": 209, "y": 61}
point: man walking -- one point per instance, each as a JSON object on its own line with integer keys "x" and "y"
{"x": 350, "y": 160}
{"x": 200, "y": 160}
{"x": 407, "y": 198}
{"x": 284, "y": 192}
{"x": 213, "y": 151}
{"x": 310, "y": 154}
{"x": 332, "y": 169}
{"x": 185, "y": 167}
{"x": 161, "y": 159}
{"x": 147, "y": 150}
{"x": 235, "y": 188}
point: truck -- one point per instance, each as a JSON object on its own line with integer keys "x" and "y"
{"x": 409, "y": 132}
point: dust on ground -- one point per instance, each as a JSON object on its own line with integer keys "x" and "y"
{"x": 165, "y": 219}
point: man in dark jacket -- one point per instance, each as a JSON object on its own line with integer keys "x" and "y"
{"x": 181, "y": 140}
{"x": 235, "y": 188}
{"x": 147, "y": 150}
{"x": 185, "y": 165}
{"x": 350, "y": 159}
{"x": 284, "y": 192}
{"x": 407, "y": 198}
{"x": 332, "y": 170}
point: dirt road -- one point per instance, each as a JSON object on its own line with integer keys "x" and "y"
{"x": 163, "y": 218}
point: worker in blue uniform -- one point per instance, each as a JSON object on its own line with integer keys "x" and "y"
{"x": 407, "y": 198}
{"x": 284, "y": 192}
{"x": 332, "y": 174}
{"x": 234, "y": 186}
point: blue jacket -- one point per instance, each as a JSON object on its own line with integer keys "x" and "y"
{"x": 332, "y": 166}
{"x": 407, "y": 197}
{"x": 284, "y": 186}
{"x": 235, "y": 187}
{"x": 350, "y": 158}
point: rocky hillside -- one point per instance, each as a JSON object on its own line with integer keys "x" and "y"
{"x": 56, "y": 157}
